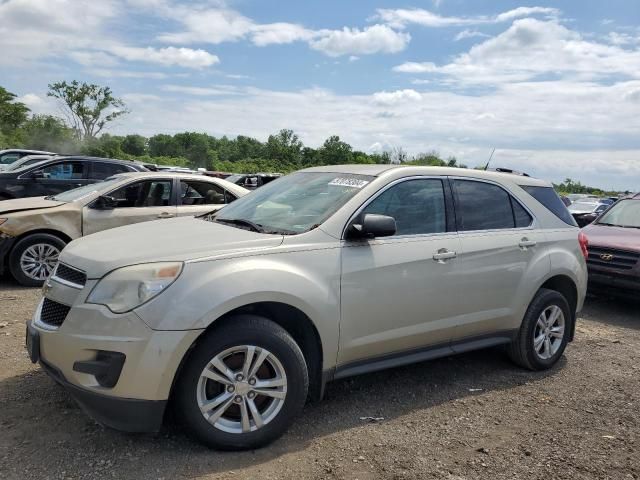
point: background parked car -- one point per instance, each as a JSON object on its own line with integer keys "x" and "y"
{"x": 60, "y": 174}
{"x": 614, "y": 249}
{"x": 33, "y": 231}
{"x": 7, "y": 157}
{"x": 27, "y": 160}
{"x": 587, "y": 210}
{"x": 253, "y": 180}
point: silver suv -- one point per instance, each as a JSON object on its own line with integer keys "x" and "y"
{"x": 239, "y": 316}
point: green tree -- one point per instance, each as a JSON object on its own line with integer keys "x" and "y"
{"x": 163, "y": 145}
{"x": 89, "y": 108}
{"x": 285, "y": 146}
{"x": 12, "y": 114}
{"x": 135, "y": 145}
{"x": 335, "y": 152}
{"x": 46, "y": 132}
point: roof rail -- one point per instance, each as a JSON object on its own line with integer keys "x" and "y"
{"x": 508, "y": 170}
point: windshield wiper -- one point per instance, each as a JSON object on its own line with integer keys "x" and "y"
{"x": 241, "y": 221}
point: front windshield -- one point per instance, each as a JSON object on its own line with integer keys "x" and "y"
{"x": 583, "y": 207}
{"x": 293, "y": 204}
{"x": 626, "y": 213}
{"x": 82, "y": 192}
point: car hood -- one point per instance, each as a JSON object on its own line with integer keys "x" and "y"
{"x": 179, "y": 239}
{"x": 613, "y": 237}
{"x": 29, "y": 203}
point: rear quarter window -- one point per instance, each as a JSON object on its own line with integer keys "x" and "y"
{"x": 548, "y": 197}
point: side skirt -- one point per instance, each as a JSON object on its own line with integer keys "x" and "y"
{"x": 419, "y": 355}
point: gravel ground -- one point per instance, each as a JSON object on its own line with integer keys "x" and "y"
{"x": 465, "y": 417}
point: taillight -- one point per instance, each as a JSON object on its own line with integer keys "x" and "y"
{"x": 584, "y": 244}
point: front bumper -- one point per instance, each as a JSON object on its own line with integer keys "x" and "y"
{"x": 125, "y": 414}
{"x": 614, "y": 283}
{"x": 136, "y": 398}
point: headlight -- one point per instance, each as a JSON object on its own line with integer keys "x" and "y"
{"x": 129, "y": 287}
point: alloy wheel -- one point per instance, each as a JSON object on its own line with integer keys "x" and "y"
{"x": 549, "y": 332}
{"x": 38, "y": 261}
{"x": 242, "y": 389}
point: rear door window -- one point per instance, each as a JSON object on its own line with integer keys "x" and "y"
{"x": 203, "y": 193}
{"x": 483, "y": 206}
{"x": 548, "y": 197}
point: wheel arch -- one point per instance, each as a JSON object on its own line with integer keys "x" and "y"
{"x": 567, "y": 287}
{"x": 293, "y": 320}
{"x": 56, "y": 233}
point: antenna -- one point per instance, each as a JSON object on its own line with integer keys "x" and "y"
{"x": 490, "y": 157}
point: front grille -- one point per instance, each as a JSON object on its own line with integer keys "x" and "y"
{"x": 70, "y": 274}
{"x": 612, "y": 258}
{"x": 53, "y": 313}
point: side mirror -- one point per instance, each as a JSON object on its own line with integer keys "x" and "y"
{"x": 372, "y": 226}
{"x": 37, "y": 174}
{"x": 105, "y": 202}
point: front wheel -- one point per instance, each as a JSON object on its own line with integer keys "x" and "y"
{"x": 33, "y": 258}
{"x": 243, "y": 384}
{"x": 544, "y": 332}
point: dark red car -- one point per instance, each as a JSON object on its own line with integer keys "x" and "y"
{"x": 614, "y": 249}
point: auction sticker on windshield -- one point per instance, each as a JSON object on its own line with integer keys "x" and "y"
{"x": 348, "y": 182}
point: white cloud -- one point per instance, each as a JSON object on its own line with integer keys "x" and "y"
{"x": 90, "y": 58}
{"x": 208, "y": 25}
{"x": 526, "y": 12}
{"x": 623, "y": 39}
{"x": 183, "y": 57}
{"x": 396, "y": 97}
{"x": 220, "y": 24}
{"x": 415, "y": 67}
{"x": 279, "y": 33}
{"x": 202, "y": 91}
{"x": 30, "y": 100}
{"x": 470, "y": 34}
{"x": 530, "y": 48}
{"x": 120, "y": 73}
{"x": 33, "y": 29}
{"x": 353, "y": 41}
{"x": 402, "y": 17}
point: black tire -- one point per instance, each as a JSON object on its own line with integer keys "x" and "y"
{"x": 237, "y": 331}
{"x": 19, "y": 248}
{"x": 521, "y": 350}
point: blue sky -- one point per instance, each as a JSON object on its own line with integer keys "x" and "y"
{"x": 553, "y": 86}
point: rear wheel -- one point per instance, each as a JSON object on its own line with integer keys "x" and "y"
{"x": 544, "y": 332}
{"x": 33, "y": 258}
{"x": 243, "y": 384}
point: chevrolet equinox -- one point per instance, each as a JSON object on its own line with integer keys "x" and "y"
{"x": 238, "y": 316}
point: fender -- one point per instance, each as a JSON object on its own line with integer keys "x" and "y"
{"x": 307, "y": 280}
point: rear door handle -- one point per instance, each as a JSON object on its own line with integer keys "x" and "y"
{"x": 526, "y": 243}
{"x": 443, "y": 255}
{"x": 166, "y": 215}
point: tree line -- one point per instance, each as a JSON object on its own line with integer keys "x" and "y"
{"x": 89, "y": 109}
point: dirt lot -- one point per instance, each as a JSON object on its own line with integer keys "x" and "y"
{"x": 466, "y": 417}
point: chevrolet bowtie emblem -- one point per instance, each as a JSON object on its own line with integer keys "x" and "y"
{"x": 607, "y": 257}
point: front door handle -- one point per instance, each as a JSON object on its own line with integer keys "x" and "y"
{"x": 442, "y": 255}
{"x": 526, "y": 243}
{"x": 166, "y": 215}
